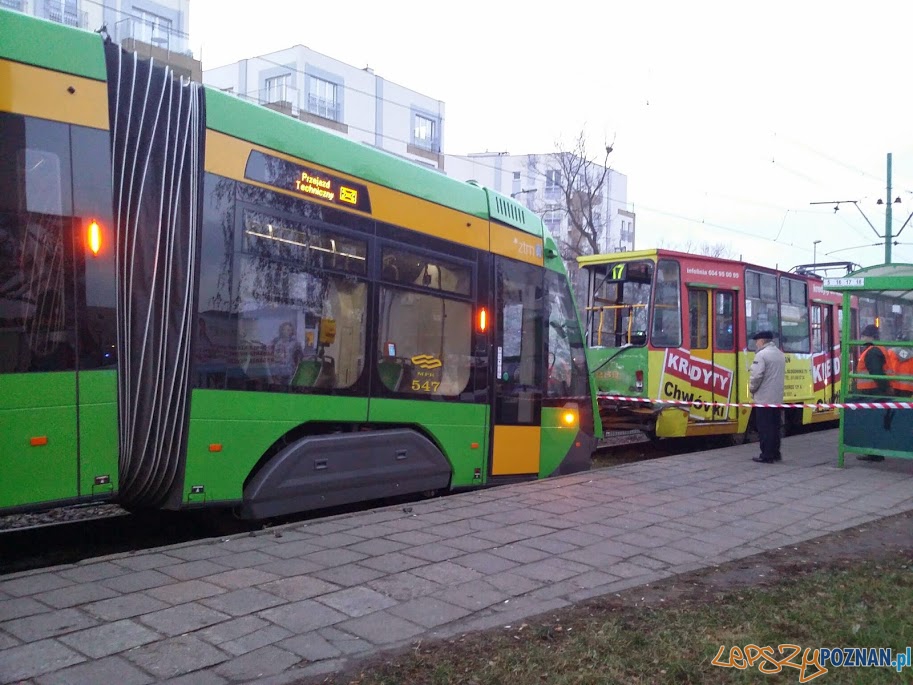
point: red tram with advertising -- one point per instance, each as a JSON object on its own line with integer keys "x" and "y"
{"x": 669, "y": 341}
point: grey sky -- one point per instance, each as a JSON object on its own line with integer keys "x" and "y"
{"x": 727, "y": 117}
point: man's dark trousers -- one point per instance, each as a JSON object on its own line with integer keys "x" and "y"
{"x": 767, "y": 420}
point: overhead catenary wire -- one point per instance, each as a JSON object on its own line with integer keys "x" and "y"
{"x": 478, "y": 160}
{"x": 353, "y": 90}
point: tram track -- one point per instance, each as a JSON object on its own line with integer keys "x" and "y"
{"x": 73, "y": 534}
{"x": 50, "y": 543}
{"x": 50, "y": 538}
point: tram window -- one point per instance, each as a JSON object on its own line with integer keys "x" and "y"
{"x": 667, "y": 313}
{"x": 92, "y": 201}
{"x": 753, "y": 285}
{"x": 794, "y": 331}
{"x": 698, "y": 316}
{"x": 567, "y": 374}
{"x": 768, "y": 287}
{"x": 403, "y": 266}
{"x": 37, "y": 316}
{"x": 724, "y": 331}
{"x": 274, "y": 316}
{"x": 269, "y": 237}
{"x": 818, "y": 334}
{"x": 638, "y": 272}
{"x": 793, "y": 292}
{"x": 618, "y": 314}
{"x": 762, "y": 310}
{"x": 424, "y": 343}
{"x": 295, "y": 329}
{"x": 519, "y": 328}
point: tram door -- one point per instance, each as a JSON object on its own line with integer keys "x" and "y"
{"x": 519, "y": 368}
{"x": 713, "y": 371}
{"x": 825, "y": 356}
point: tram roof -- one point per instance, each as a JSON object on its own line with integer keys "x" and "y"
{"x": 657, "y": 252}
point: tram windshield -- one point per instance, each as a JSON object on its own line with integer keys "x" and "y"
{"x": 619, "y": 306}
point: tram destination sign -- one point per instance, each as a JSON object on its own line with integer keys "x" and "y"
{"x": 280, "y": 173}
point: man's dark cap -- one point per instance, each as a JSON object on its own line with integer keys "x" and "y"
{"x": 763, "y": 335}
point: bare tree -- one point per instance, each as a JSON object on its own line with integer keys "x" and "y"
{"x": 579, "y": 183}
{"x": 708, "y": 249}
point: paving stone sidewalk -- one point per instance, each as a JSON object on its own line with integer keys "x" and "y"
{"x": 301, "y": 599}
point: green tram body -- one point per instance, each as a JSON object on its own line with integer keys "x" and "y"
{"x": 140, "y": 369}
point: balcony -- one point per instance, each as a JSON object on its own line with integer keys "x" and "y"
{"x": 290, "y": 100}
{"x": 159, "y": 42}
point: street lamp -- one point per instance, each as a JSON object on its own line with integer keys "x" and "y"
{"x": 520, "y": 192}
{"x": 815, "y": 252}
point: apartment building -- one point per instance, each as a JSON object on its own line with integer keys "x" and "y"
{"x": 352, "y": 101}
{"x": 536, "y": 182}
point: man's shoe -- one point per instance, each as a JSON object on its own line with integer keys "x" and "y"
{"x": 763, "y": 460}
{"x": 870, "y": 457}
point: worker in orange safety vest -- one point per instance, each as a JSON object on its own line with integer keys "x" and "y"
{"x": 902, "y": 365}
{"x": 873, "y": 360}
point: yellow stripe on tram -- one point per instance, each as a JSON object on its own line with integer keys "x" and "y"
{"x": 516, "y": 244}
{"x": 38, "y": 92}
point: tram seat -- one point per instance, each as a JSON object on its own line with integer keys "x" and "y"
{"x": 315, "y": 373}
{"x": 306, "y": 373}
{"x": 327, "y": 377}
{"x": 391, "y": 373}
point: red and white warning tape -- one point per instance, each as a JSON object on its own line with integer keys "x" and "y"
{"x": 785, "y": 405}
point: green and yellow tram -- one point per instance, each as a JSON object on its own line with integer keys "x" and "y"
{"x": 207, "y": 303}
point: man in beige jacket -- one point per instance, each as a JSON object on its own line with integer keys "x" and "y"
{"x": 768, "y": 372}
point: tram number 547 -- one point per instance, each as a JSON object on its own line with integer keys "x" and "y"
{"x": 427, "y": 386}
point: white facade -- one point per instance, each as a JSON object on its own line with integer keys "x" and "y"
{"x": 343, "y": 98}
{"x": 530, "y": 180}
{"x": 164, "y": 24}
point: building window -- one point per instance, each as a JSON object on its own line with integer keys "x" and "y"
{"x": 277, "y": 88}
{"x": 553, "y": 224}
{"x": 425, "y": 132}
{"x": 13, "y": 4}
{"x": 61, "y": 11}
{"x": 153, "y": 29}
{"x": 552, "y": 182}
{"x": 323, "y": 98}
